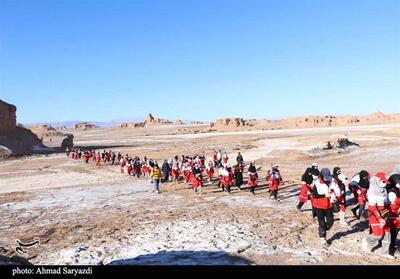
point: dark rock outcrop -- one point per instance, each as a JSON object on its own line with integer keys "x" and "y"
{"x": 15, "y": 139}
{"x": 8, "y": 119}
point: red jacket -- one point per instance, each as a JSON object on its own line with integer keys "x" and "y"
{"x": 320, "y": 189}
{"x": 394, "y": 218}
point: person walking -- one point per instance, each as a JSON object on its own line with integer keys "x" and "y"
{"x": 165, "y": 171}
{"x": 378, "y": 209}
{"x": 340, "y": 194}
{"x": 274, "y": 179}
{"x": 252, "y": 180}
{"x": 156, "y": 177}
{"x": 239, "y": 159}
{"x": 238, "y": 175}
{"x": 322, "y": 204}
{"x": 393, "y": 190}
{"x": 359, "y": 186}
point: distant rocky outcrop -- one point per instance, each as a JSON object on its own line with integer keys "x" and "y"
{"x": 67, "y": 141}
{"x": 196, "y": 122}
{"x": 229, "y": 123}
{"x": 132, "y": 125}
{"x": 311, "y": 121}
{"x": 22, "y": 142}
{"x": 332, "y": 121}
{"x": 84, "y": 126}
{"x": 151, "y": 121}
{"x": 52, "y": 137}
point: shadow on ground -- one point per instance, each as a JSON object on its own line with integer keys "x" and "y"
{"x": 185, "y": 257}
{"x": 15, "y": 260}
{"x": 358, "y": 227}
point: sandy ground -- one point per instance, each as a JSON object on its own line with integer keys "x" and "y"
{"x": 85, "y": 214}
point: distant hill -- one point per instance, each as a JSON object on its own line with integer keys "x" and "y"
{"x": 71, "y": 124}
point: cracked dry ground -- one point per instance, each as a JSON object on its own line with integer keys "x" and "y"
{"x": 124, "y": 222}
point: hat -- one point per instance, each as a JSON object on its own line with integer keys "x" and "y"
{"x": 275, "y": 166}
{"x": 314, "y": 165}
{"x": 381, "y": 176}
{"x": 326, "y": 174}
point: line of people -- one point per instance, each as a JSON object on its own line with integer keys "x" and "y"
{"x": 86, "y": 155}
{"x": 376, "y": 201}
{"x": 190, "y": 169}
{"x": 376, "y": 198}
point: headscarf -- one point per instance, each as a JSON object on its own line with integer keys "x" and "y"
{"x": 307, "y": 177}
{"x": 336, "y": 173}
{"x": 252, "y": 169}
{"x": 326, "y": 176}
{"x": 364, "y": 183}
{"x": 376, "y": 194}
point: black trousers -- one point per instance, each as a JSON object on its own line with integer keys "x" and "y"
{"x": 274, "y": 193}
{"x": 325, "y": 220}
{"x": 393, "y": 237}
{"x": 238, "y": 179}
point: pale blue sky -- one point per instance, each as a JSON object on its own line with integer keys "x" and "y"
{"x": 198, "y": 59}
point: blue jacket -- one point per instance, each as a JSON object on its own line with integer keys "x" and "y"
{"x": 165, "y": 169}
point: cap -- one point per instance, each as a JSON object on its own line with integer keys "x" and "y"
{"x": 314, "y": 165}
{"x": 381, "y": 176}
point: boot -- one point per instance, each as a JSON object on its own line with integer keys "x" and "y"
{"x": 362, "y": 212}
{"x": 354, "y": 210}
{"x": 385, "y": 249}
{"x": 299, "y": 205}
{"x": 342, "y": 217}
{"x": 371, "y": 243}
{"x": 314, "y": 214}
{"x": 323, "y": 242}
